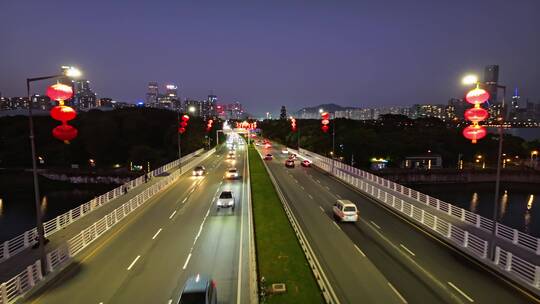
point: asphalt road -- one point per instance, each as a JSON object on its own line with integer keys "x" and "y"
{"x": 418, "y": 267}
{"x": 148, "y": 257}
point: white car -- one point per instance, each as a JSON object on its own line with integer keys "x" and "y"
{"x": 226, "y": 199}
{"x": 345, "y": 211}
{"x": 231, "y": 173}
{"x": 285, "y": 151}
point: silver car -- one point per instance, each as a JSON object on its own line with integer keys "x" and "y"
{"x": 226, "y": 199}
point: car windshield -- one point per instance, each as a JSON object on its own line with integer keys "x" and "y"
{"x": 199, "y": 168}
{"x": 226, "y": 194}
{"x": 193, "y": 298}
{"x": 349, "y": 209}
{"x": 269, "y": 155}
{"x": 232, "y": 170}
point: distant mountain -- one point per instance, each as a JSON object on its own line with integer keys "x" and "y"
{"x": 328, "y": 107}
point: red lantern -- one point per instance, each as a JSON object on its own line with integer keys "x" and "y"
{"x": 476, "y": 114}
{"x": 185, "y": 117}
{"x": 325, "y": 115}
{"x": 325, "y": 128}
{"x": 325, "y": 121}
{"x": 477, "y": 96}
{"x": 63, "y": 113}
{"x": 181, "y": 130}
{"x": 59, "y": 92}
{"x": 65, "y": 132}
{"x": 183, "y": 124}
{"x": 474, "y": 133}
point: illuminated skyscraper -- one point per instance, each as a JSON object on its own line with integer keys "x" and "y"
{"x": 85, "y": 98}
{"x": 152, "y": 94}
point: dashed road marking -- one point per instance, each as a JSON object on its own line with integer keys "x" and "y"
{"x": 337, "y": 225}
{"x": 407, "y": 249}
{"x": 133, "y": 263}
{"x": 397, "y": 293}
{"x": 326, "y": 187}
{"x": 302, "y": 187}
{"x": 338, "y": 196}
{"x": 187, "y": 261}
{"x": 322, "y": 209}
{"x": 155, "y": 235}
{"x": 184, "y": 200}
{"x": 360, "y": 250}
{"x": 172, "y": 214}
{"x": 311, "y": 197}
{"x": 373, "y": 223}
{"x": 461, "y": 292}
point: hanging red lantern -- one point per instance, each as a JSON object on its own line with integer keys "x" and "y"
{"x": 325, "y": 128}
{"x": 185, "y": 117}
{"x": 325, "y": 115}
{"x": 476, "y": 114}
{"x": 59, "y": 91}
{"x": 181, "y": 130}
{"x": 63, "y": 113}
{"x": 183, "y": 124}
{"x": 474, "y": 133}
{"x": 65, "y": 132}
{"x": 477, "y": 96}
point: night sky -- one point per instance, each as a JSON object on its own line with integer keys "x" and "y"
{"x": 268, "y": 53}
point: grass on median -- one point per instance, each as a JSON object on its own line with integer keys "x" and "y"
{"x": 280, "y": 258}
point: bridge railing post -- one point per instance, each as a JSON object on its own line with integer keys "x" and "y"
{"x": 536, "y": 277}
{"x": 3, "y": 293}
{"x": 497, "y": 255}
{"x": 508, "y": 265}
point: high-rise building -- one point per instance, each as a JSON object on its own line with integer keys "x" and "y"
{"x": 84, "y": 97}
{"x": 41, "y": 102}
{"x": 152, "y": 93}
{"x": 208, "y": 107}
{"x": 283, "y": 113}
{"x": 491, "y": 79}
{"x": 514, "y": 107}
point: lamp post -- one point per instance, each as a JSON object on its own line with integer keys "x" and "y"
{"x": 70, "y": 72}
{"x": 534, "y": 156}
{"x": 470, "y": 80}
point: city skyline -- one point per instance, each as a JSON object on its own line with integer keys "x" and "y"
{"x": 350, "y": 54}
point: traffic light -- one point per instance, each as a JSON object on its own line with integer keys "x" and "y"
{"x": 209, "y": 125}
{"x": 293, "y": 124}
{"x": 183, "y": 124}
{"x": 325, "y": 116}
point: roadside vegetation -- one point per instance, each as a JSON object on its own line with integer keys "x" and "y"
{"x": 280, "y": 258}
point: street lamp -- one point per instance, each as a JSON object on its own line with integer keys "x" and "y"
{"x": 534, "y": 156}
{"x": 70, "y": 72}
{"x": 473, "y": 80}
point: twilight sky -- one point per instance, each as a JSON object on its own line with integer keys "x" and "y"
{"x": 268, "y": 53}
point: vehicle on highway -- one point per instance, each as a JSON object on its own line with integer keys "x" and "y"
{"x": 267, "y": 145}
{"x": 231, "y": 173}
{"x": 226, "y": 199}
{"x": 289, "y": 163}
{"x": 268, "y": 156}
{"x": 292, "y": 156}
{"x": 231, "y": 156}
{"x": 306, "y": 163}
{"x": 199, "y": 289}
{"x": 285, "y": 151}
{"x": 345, "y": 211}
{"x": 199, "y": 171}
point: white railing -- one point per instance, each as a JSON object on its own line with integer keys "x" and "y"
{"x": 506, "y": 262}
{"x": 19, "y": 243}
{"x": 24, "y": 281}
{"x": 515, "y": 236}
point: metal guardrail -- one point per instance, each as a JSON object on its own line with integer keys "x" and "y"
{"x": 26, "y": 280}
{"x": 506, "y": 262}
{"x": 19, "y": 243}
{"x": 325, "y": 286}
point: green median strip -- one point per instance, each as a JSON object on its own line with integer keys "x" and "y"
{"x": 280, "y": 258}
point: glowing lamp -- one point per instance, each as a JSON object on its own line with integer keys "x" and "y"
{"x": 325, "y": 128}
{"x": 474, "y": 133}
{"x": 65, "y": 132}
{"x": 476, "y": 114}
{"x": 325, "y": 121}
{"x": 185, "y": 117}
{"x": 63, "y": 113}
{"x": 477, "y": 96}
{"x": 59, "y": 92}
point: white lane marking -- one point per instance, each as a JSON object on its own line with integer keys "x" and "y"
{"x": 318, "y": 181}
{"x": 461, "y": 292}
{"x": 170, "y": 301}
{"x": 296, "y": 181}
{"x": 311, "y": 197}
{"x": 373, "y": 223}
{"x": 337, "y": 225}
{"x": 327, "y": 188}
{"x": 217, "y": 190}
{"x": 360, "y": 250}
{"x": 322, "y": 209}
{"x": 187, "y": 261}
{"x": 155, "y": 235}
{"x": 302, "y": 187}
{"x": 238, "y": 287}
{"x": 133, "y": 263}
{"x": 338, "y": 196}
{"x": 407, "y": 249}
{"x": 397, "y": 293}
{"x": 172, "y": 214}
{"x": 184, "y": 200}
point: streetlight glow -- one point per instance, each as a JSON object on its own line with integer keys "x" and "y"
{"x": 71, "y": 72}
{"x": 191, "y": 109}
{"x": 470, "y": 79}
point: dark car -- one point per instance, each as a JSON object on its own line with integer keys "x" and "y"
{"x": 306, "y": 163}
{"x": 268, "y": 156}
{"x": 289, "y": 163}
{"x": 199, "y": 289}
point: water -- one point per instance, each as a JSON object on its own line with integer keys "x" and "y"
{"x": 17, "y": 210}
{"x": 519, "y": 204}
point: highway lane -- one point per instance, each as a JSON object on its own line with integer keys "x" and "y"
{"x": 353, "y": 277}
{"x": 143, "y": 260}
{"x": 421, "y": 268}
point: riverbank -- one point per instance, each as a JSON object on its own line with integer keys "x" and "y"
{"x": 455, "y": 176}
